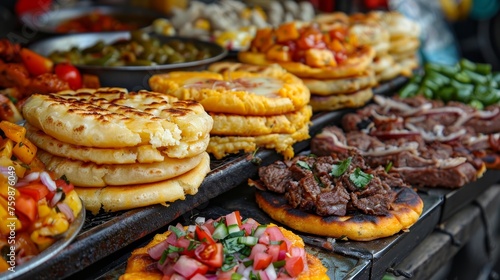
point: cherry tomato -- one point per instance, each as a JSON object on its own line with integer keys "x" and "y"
{"x": 23, "y": 6}
{"x": 35, "y": 63}
{"x": 210, "y": 254}
{"x": 70, "y": 74}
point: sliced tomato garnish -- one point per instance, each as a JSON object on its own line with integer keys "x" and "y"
{"x": 36, "y": 190}
{"x": 27, "y": 206}
{"x": 203, "y": 235}
{"x": 210, "y": 254}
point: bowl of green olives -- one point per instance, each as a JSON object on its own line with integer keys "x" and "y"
{"x": 129, "y": 58}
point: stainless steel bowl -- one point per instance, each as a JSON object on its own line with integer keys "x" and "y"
{"x": 47, "y": 22}
{"x": 130, "y": 77}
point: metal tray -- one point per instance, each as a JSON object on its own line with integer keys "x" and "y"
{"x": 454, "y": 200}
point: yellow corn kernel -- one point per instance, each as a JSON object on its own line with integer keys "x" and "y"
{"x": 54, "y": 224}
{"x": 43, "y": 210}
{"x": 74, "y": 202}
{"x": 41, "y": 241}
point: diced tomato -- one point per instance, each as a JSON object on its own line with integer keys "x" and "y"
{"x": 274, "y": 252}
{"x": 188, "y": 267}
{"x": 340, "y": 57}
{"x": 210, "y": 254}
{"x": 36, "y": 63}
{"x": 257, "y": 248}
{"x": 275, "y": 233}
{"x": 66, "y": 187}
{"x": 294, "y": 266}
{"x": 199, "y": 276}
{"x": 203, "y": 235}
{"x": 311, "y": 38}
{"x": 183, "y": 242}
{"x": 36, "y": 190}
{"x": 70, "y": 74}
{"x": 261, "y": 261}
{"x": 233, "y": 218}
{"x": 27, "y": 207}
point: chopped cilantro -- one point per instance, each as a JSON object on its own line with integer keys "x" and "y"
{"x": 303, "y": 165}
{"x": 388, "y": 167}
{"x": 341, "y": 168}
{"x": 359, "y": 178}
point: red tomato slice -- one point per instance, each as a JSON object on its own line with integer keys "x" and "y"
{"x": 210, "y": 254}
{"x": 60, "y": 183}
{"x": 261, "y": 261}
{"x": 36, "y": 190}
{"x": 27, "y": 207}
{"x": 36, "y": 63}
{"x": 70, "y": 74}
{"x": 203, "y": 235}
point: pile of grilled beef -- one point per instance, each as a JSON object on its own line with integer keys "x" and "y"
{"x": 336, "y": 184}
{"x": 425, "y": 141}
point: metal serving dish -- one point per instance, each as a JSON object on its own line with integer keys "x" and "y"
{"x": 130, "y": 77}
{"x": 47, "y": 22}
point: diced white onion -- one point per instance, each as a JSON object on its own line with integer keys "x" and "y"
{"x": 47, "y": 181}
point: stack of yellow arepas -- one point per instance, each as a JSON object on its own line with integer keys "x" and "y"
{"x": 265, "y": 109}
{"x": 404, "y": 41}
{"x": 121, "y": 149}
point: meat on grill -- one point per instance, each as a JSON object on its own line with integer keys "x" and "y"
{"x": 308, "y": 183}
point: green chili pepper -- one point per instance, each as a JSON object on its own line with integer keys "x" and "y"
{"x": 476, "y": 104}
{"x": 462, "y": 77}
{"x": 438, "y": 78}
{"x": 483, "y": 68}
{"x": 411, "y": 89}
{"x": 475, "y": 77}
{"x": 466, "y": 64}
{"x": 446, "y": 93}
{"x": 464, "y": 94}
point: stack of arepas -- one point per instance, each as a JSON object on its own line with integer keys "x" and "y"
{"x": 121, "y": 149}
{"x": 331, "y": 64}
{"x": 404, "y": 40}
{"x": 250, "y": 109}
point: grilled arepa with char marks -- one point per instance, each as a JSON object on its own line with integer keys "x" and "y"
{"x": 114, "y": 118}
